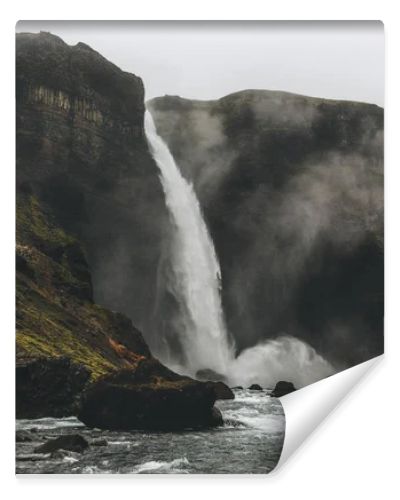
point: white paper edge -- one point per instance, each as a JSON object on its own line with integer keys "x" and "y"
{"x": 305, "y": 409}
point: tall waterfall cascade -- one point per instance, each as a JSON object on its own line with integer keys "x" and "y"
{"x": 196, "y": 275}
{"x": 195, "y": 282}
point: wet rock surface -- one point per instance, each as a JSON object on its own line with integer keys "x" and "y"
{"x": 255, "y": 387}
{"x": 282, "y": 388}
{"x": 222, "y": 391}
{"x": 148, "y": 397}
{"x": 73, "y": 442}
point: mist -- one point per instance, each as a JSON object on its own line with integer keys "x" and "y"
{"x": 291, "y": 188}
{"x": 283, "y": 358}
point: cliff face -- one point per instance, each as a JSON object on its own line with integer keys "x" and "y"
{"x": 292, "y": 190}
{"x": 56, "y": 315}
{"x": 81, "y": 152}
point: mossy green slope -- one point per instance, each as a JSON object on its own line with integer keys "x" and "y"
{"x": 56, "y": 315}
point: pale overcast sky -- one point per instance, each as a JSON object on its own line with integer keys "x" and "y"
{"x": 204, "y": 60}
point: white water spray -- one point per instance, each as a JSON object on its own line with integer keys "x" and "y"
{"x": 196, "y": 284}
{"x": 196, "y": 271}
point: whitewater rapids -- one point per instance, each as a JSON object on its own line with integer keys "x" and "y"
{"x": 250, "y": 442}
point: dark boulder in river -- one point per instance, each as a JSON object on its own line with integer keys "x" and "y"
{"x": 255, "y": 387}
{"x": 49, "y": 387}
{"x": 222, "y": 391}
{"x": 149, "y": 396}
{"x": 73, "y": 442}
{"x": 282, "y": 388}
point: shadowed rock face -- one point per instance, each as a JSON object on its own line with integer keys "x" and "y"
{"x": 292, "y": 191}
{"x": 81, "y": 150}
{"x": 49, "y": 388}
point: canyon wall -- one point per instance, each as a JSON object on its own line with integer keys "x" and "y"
{"x": 81, "y": 151}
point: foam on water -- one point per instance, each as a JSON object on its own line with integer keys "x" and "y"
{"x": 248, "y": 410}
{"x": 48, "y": 423}
{"x": 254, "y": 425}
{"x": 176, "y": 466}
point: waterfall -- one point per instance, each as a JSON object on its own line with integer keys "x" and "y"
{"x": 195, "y": 283}
{"x": 195, "y": 276}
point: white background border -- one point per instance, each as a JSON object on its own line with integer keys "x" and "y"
{"x": 354, "y": 454}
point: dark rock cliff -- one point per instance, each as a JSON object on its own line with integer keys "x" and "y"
{"x": 90, "y": 228}
{"x": 81, "y": 150}
{"x": 292, "y": 190}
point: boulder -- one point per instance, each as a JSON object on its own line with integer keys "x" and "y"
{"x": 222, "y": 391}
{"x": 49, "y": 387}
{"x": 255, "y": 387}
{"x": 23, "y": 436}
{"x": 73, "y": 442}
{"x": 237, "y": 388}
{"x": 282, "y": 388}
{"x": 149, "y": 397}
{"x": 207, "y": 374}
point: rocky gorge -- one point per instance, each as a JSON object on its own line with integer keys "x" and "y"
{"x": 167, "y": 250}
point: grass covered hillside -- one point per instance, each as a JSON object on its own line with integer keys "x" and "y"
{"x": 56, "y": 315}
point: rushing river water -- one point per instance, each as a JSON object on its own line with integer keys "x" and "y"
{"x": 250, "y": 442}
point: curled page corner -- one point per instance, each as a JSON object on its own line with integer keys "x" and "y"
{"x": 307, "y": 408}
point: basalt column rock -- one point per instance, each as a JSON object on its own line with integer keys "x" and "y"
{"x": 82, "y": 151}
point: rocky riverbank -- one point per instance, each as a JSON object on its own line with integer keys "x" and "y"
{"x": 145, "y": 396}
{"x": 250, "y": 441}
